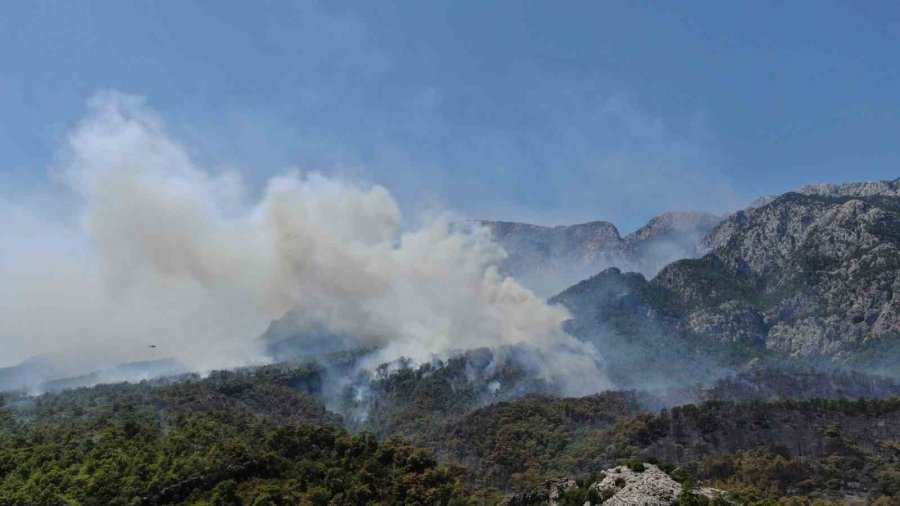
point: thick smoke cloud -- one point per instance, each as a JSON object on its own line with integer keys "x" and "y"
{"x": 170, "y": 254}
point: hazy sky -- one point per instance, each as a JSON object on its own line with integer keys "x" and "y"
{"x": 546, "y": 111}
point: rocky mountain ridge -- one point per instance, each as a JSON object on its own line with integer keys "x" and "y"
{"x": 824, "y": 269}
{"x": 806, "y": 274}
{"x": 888, "y": 188}
{"x": 547, "y": 259}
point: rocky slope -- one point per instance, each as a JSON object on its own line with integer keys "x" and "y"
{"x": 547, "y": 259}
{"x": 637, "y": 485}
{"x": 666, "y": 238}
{"x": 804, "y": 274}
{"x": 814, "y": 274}
{"x": 544, "y": 259}
{"x": 645, "y": 485}
{"x": 863, "y": 189}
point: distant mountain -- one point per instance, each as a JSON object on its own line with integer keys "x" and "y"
{"x": 666, "y": 238}
{"x": 46, "y": 373}
{"x": 29, "y": 372}
{"x": 820, "y": 273}
{"x": 544, "y": 259}
{"x": 864, "y": 189}
{"x": 548, "y": 259}
{"x": 803, "y": 275}
{"x": 130, "y": 371}
{"x": 289, "y": 337}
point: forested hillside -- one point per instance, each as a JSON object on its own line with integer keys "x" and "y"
{"x": 267, "y": 436}
{"x": 247, "y": 437}
{"x": 730, "y": 372}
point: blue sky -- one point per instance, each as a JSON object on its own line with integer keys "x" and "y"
{"x": 551, "y": 112}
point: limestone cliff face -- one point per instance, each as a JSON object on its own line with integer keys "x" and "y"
{"x": 805, "y": 273}
{"x": 666, "y": 238}
{"x": 651, "y": 487}
{"x": 647, "y": 485}
{"x": 530, "y": 245}
{"x": 864, "y": 189}
{"x": 548, "y": 259}
{"x": 815, "y": 272}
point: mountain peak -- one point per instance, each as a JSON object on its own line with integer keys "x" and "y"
{"x": 676, "y": 221}
{"x": 883, "y": 188}
{"x": 548, "y": 259}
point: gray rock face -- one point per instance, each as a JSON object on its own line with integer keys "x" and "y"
{"x": 813, "y": 273}
{"x": 666, "y": 238}
{"x": 621, "y": 486}
{"x": 732, "y": 321}
{"x": 650, "y": 487}
{"x": 677, "y": 224}
{"x": 527, "y": 243}
{"x": 820, "y": 273}
{"x": 865, "y": 189}
{"x": 548, "y": 259}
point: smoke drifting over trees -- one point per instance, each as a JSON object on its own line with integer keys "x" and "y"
{"x": 169, "y": 253}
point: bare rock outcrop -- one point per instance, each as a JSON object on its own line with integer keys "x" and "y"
{"x": 649, "y": 486}
{"x": 864, "y": 189}
{"x": 814, "y": 273}
{"x": 644, "y": 485}
{"x": 547, "y": 259}
{"x": 822, "y": 271}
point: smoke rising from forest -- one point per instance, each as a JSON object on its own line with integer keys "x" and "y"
{"x": 168, "y": 253}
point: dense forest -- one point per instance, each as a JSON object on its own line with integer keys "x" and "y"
{"x": 436, "y": 434}
{"x": 246, "y": 437}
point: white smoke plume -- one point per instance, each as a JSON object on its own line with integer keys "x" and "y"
{"x": 168, "y": 253}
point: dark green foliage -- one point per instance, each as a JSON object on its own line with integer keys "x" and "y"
{"x": 791, "y": 381}
{"x": 711, "y": 283}
{"x": 768, "y": 450}
{"x": 878, "y": 356}
{"x": 415, "y": 402}
{"x": 634, "y": 323}
{"x": 264, "y": 436}
{"x": 204, "y": 460}
{"x": 239, "y": 437}
{"x": 519, "y": 444}
{"x": 637, "y": 466}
